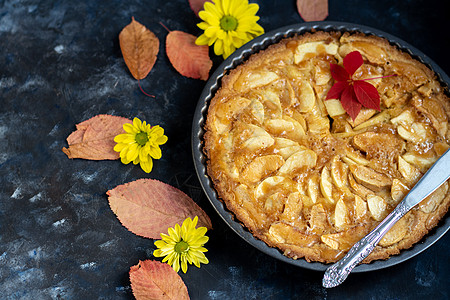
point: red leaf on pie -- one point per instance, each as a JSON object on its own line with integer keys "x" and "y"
{"x": 155, "y": 280}
{"x": 367, "y": 94}
{"x": 139, "y": 48}
{"x": 187, "y": 58}
{"x": 350, "y": 103}
{"x": 94, "y": 138}
{"x": 313, "y": 10}
{"x": 148, "y": 207}
{"x": 339, "y": 73}
{"x": 197, "y": 5}
{"x": 352, "y": 62}
{"x": 336, "y": 90}
{"x": 352, "y": 93}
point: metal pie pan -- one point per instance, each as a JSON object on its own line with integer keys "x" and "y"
{"x": 213, "y": 84}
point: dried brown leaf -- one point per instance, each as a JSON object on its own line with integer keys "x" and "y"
{"x": 151, "y": 280}
{"x": 139, "y": 48}
{"x": 313, "y": 10}
{"x": 187, "y": 58}
{"x": 148, "y": 207}
{"x": 94, "y": 138}
{"x": 197, "y": 5}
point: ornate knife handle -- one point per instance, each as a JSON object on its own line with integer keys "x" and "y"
{"x": 338, "y": 272}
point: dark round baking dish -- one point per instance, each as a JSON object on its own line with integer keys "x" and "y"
{"x": 241, "y": 55}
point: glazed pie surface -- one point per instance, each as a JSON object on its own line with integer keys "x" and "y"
{"x": 304, "y": 177}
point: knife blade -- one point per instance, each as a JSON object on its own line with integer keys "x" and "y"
{"x": 433, "y": 178}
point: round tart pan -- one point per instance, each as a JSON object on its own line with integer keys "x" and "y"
{"x": 241, "y": 55}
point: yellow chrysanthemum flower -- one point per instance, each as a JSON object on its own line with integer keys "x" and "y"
{"x": 228, "y": 24}
{"x": 140, "y": 144}
{"x": 183, "y": 244}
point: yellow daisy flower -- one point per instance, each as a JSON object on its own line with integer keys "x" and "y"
{"x": 140, "y": 144}
{"x": 183, "y": 244}
{"x": 228, "y": 24}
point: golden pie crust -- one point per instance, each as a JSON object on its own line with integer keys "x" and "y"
{"x": 299, "y": 173}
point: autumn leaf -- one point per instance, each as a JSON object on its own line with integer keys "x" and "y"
{"x": 353, "y": 93}
{"x": 94, "y": 138}
{"x": 139, "y": 48}
{"x": 197, "y": 5}
{"x": 313, "y": 10}
{"x": 151, "y": 280}
{"x": 148, "y": 207}
{"x": 187, "y": 58}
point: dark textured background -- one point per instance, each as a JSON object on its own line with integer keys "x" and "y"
{"x": 60, "y": 64}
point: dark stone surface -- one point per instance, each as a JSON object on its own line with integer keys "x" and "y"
{"x": 60, "y": 64}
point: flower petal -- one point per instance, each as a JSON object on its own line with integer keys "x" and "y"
{"x": 161, "y": 140}
{"x": 202, "y": 40}
{"x": 218, "y": 47}
{"x": 147, "y": 166}
{"x": 155, "y": 152}
{"x": 130, "y": 128}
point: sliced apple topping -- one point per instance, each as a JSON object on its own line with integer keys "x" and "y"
{"x": 255, "y": 79}
{"x": 377, "y": 207}
{"x": 396, "y": 233}
{"x": 302, "y": 158}
{"x": 303, "y": 49}
{"x": 339, "y": 171}
{"x": 370, "y": 178}
{"x": 313, "y": 188}
{"x": 326, "y": 186}
{"x": 360, "y": 207}
{"x": 410, "y": 173}
{"x": 257, "y": 110}
{"x": 293, "y": 207}
{"x": 262, "y": 166}
{"x": 398, "y": 190}
{"x": 307, "y": 98}
{"x": 259, "y": 139}
{"x": 341, "y": 215}
{"x": 430, "y": 203}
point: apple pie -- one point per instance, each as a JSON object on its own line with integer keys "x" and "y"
{"x": 302, "y": 175}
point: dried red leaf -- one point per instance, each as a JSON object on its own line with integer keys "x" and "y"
{"x": 152, "y": 280}
{"x": 339, "y": 73}
{"x": 94, "y": 138}
{"x": 197, "y": 5}
{"x": 336, "y": 90}
{"x": 349, "y": 102}
{"x": 367, "y": 94}
{"x": 352, "y": 93}
{"x": 187, "y": 58}
{"x": 313, "y": 10}
{"x": 148, "y": 207}
{"x": 139, "y": 48}
{"x": 352, "y": 62}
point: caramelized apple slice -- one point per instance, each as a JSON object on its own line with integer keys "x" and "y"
{"x": 259, "y": 139}
{"x": 302, "y": 158}
{"x": 341, "y": 215}
{"x": 261, "y": 166}
{"x": 326, "y": 186}
{"x": 377, "y": 207}
{"x": 370, "y": 178}
{"x": 397, "y": 232}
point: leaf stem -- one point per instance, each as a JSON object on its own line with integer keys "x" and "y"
{"x": 378, "y": 77}
{"x": 142, "y": 90}
{"x": 168, "y": 30}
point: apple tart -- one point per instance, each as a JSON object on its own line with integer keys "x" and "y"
{"x": 303, "y": 176}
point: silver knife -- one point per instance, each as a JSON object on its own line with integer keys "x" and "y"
{"x": 436, "y": 175}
